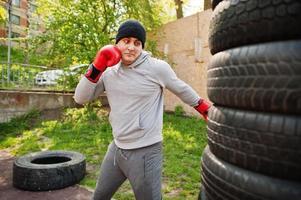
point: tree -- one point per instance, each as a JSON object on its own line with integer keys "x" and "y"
{"x": 207, "y": 4}
{"x": 179, "y": 8}
{"x": 3, "y": 15}
{"x": 76, "y": 29}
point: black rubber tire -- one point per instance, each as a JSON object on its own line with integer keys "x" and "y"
{"x": 262, "y": 142}
{"x": 224, "y": 181}
{"x": 214, "y": 3}
{"x": 48, "y": 170}
{"x": 263, "y": 77}
{"x": 240, "y": 22}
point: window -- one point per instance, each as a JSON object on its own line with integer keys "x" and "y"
{"x": 16, "y": 3}
{"x": 15, "y": 19}
{"x": 33, "y": 8}
{"x": 15, "y": 35}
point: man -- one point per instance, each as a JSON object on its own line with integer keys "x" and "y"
{"x": 134, "y": 88}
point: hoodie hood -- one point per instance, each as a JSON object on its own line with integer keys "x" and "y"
{"x": 141, "y": 58}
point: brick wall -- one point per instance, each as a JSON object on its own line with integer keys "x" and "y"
{"x": 23, "y": 4}
{"x": 178, "y": 39}
{"x": 23, "y": 22}
{"x": 22, "y": 12}
{"x": 2, "y": 32}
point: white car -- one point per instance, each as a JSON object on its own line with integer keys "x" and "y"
{"x": 50, "y": 77}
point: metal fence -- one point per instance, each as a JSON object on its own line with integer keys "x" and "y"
{"x": 28, "y": 77}
{"x": 18, "y": 75}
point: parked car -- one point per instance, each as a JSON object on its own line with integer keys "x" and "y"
{"x": 48, "y": 77}
{"x": 51, "y": 77}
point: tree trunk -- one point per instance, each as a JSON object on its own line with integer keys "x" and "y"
{"x": 207, "y": 4}
{"x": 179, "y": 8}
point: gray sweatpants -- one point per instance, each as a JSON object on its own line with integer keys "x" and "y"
{"x": 143, "y": 168}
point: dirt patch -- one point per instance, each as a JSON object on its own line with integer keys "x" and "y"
{"x": 8, "y": 192}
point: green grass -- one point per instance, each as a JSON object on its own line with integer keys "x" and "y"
{"x": 88, "y": 131}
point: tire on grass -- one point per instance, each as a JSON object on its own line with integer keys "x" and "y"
{"x": 48, "y": 170}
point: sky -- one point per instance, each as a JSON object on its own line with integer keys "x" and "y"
{"x": 192, "y": 7}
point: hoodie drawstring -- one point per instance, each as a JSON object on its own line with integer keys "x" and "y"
{"x": 121, "y": 153}
{"x": 115, "y": 156}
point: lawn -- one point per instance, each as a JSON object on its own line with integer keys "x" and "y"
{"x": 88, "y": 131}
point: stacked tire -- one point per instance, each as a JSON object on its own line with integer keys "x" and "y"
{"x": 254, "y": 81}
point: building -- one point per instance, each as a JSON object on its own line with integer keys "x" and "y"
{"x": 25, "y": 23}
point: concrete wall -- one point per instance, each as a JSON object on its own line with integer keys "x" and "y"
{"x": 185, "y": 43}
{"x": 15, "y": 103}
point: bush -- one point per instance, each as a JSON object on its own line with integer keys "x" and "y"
{"x": 179, "y": 111}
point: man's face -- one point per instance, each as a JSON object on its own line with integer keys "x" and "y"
{"x": 130, "y": 48}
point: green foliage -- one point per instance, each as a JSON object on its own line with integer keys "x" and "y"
{"x": 87, "y": 130}
{"x": 19, "y": 55}
{"x": 70, "y": 79}
{"x": 3, "y": 15}
{"x": 151, "y": 45}
{"x": 75, "y": 30}
{"x": 68, "y": 82}
{"x": 179, "y": 111}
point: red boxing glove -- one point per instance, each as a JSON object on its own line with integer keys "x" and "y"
{"x": 107, "y": 56}
{"x": 203, "y": 108}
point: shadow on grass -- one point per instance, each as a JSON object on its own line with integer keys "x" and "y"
{"x": 11, "y": 130}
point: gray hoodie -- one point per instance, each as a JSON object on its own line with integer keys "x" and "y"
{"x": 135, "y": 96}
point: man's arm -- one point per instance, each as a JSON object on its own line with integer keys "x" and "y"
{"x": 168, "y": 79}
{"x": 91, "y": 85}
{"x": 87, "y": 91}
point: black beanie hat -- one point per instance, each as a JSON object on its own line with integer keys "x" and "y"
{"x": 131, "y": 28}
